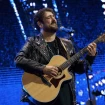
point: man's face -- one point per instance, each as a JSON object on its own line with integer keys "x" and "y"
{"x": 49, "y": 22}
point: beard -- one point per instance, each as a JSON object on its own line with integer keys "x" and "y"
{"x": 51, "y": 28}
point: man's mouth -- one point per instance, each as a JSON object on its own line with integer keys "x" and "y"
{"x": 53, "y": 24}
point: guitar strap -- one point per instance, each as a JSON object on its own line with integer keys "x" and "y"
{"x": 68, "y": 56}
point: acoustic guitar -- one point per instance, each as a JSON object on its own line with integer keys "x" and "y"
{"x": 44, "y": 88}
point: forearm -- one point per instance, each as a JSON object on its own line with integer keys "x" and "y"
{"x": 29, "y": 65}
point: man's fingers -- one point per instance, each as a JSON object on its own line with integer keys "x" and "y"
{"x": 92, "y": 46}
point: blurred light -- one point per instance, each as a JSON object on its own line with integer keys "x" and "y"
{"x": 67, "y": 14}
{"x": 30, "y": 4}
{"x": 90, "y": 76}
{"x": 24, "y": 3}
{"x": 103, "y": 81}
{"x": 30, "y": 13}
{"x": 18, "y": 18}
{"x": 96, "y": 84}
{"x": 25, "y": 8}
{"x": 104, "y": 12}
{"x": 35, "y": 11}
{"x": 103, "y": 6}
{"x": 96, "y": 98}
{"x": 45, "y": 5}
{"x": 80, "y": 93}
{"x": 62, "y": 1}
{"x": 20, "y": 22}
{"x": 57, "y": 16}
{"x": 82, "y": 103}
{"x": 93, "y": 86}
{"x": 100, "y": 83}
{"x": 103, "y": 0}
{"x": 103, "y": 92}
{"x": 72, "y": 34}
{"x": 35, "y": 28}
{"x": 56, "y": 10}
{"x": 65, "y": 5}
{"x": 23, "y": 0}
{"x": 34, "y": 4}
{"x": 55, "y": 7}
{"x": 77, "y": 82}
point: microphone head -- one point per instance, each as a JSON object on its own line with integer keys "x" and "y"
{"x": 67, "y": 30}
{"x": 61, "y": 28}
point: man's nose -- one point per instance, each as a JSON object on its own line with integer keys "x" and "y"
{"x": 54, "y": 19}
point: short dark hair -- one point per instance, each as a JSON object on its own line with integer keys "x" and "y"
{"x": 39, "y": 15}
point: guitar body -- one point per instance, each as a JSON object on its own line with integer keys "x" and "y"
{"x": 41, "y": 92}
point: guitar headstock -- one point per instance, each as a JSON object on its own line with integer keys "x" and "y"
{"x": 102, "y": 38}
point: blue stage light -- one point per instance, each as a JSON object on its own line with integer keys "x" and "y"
{"x": 103, "y": 6}
{"x": 18, "y": 17}
{"x": 45, "y": 5}
{"x": 103, "y": 1}
{"x": 31, "y": 4}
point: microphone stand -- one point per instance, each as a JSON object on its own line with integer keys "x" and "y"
{"x": 89, "y": 67}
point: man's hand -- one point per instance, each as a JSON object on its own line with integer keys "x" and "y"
{"x": 50, "y": 70}
{"x": 92, "y": 49}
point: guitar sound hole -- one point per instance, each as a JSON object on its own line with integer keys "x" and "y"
{"x": 55, "y": 82}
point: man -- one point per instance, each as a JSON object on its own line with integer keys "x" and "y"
{"x": 38, "y": 50}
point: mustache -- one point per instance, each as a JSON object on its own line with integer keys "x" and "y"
{"x": 54, "y": 22}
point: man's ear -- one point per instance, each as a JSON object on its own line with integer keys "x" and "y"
{"x": 40, "y": 24}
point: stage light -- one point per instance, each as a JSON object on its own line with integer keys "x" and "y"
{"x": 34, "y": 4}
{"x": 28, "y": 6}
{"x": 77, "y": 82}
{"x": 18, "y": 18}
{"x": 30, "y": 13}
{"x": 103, "y": 1}
{"x": 103, "y": 81}
{"x": 31, "y": 4}
{"x": 57, "y": 16}
{"x": 35, "y": 11}
{"x": 35, "y": 28}
{"x": 96, "y": 84}
{"x": 45, "y": 5}
{"x": 72, "y": 34}
{"x": 82, "y": 103}
{"x": 103, "y": 92}
{"x": 104, "y": 12}
{"x": 67, "y": 14}
{"x": 93, "y": 86}
{"x": 24, "y": 3}
{"x": 62, "y": 1}
{"x": 56, "y": 10}
{"x": 100, "y": 83}
{"x": 90, "y": 76}
{"x": 22, "y": 0}
{"x": 103, "y": 6}
{"x": 80, "y": 93}
{"x": 65, "y": 5}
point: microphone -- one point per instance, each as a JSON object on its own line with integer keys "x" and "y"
{"x": 69, "y": 31}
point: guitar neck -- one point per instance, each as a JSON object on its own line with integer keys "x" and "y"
{"x": 76, "y": 56}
